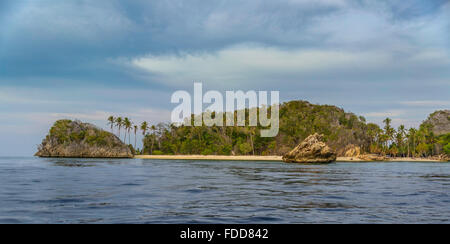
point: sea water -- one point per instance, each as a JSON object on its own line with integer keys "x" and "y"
{"x": 34, "y": 190}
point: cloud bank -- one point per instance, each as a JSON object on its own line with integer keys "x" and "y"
{"x": 85, "y": 59}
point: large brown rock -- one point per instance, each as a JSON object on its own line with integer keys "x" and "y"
{"x": 311, "y": 150}
{"x": 74, "y": 139}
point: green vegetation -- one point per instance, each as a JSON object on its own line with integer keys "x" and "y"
{"x": 298, "y": 120}
{"x": 412, "y": 143}
{"x": 125, "y": 123}
{"x": 59, "y": 131}
{"x": 444, "y": 140}
{"x": 99, "y": 138}
{"x": 64, "y": 131}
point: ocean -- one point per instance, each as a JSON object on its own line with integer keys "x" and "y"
{"x": 113, "y": 191}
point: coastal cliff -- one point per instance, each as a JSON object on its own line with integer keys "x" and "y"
{"x": 81, "y": 140}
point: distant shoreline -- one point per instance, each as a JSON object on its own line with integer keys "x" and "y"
{"x": 270, "y": 158}
{"x": 210, "y": 157}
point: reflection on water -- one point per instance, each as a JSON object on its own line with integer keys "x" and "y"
{"x": 157, "y": 191}
{"x": 72, "y": 164}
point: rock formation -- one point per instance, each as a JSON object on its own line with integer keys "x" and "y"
{"x": 440, "y": 122}
{"x": 443, "y": 158}
{"x": 311, "y": 150}
{"x": 81, "y": 140}
{"x": 372, "y": 157}
{"x": 352, "y": 151}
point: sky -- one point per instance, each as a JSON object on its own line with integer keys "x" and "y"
{"x": 87, "y": 60}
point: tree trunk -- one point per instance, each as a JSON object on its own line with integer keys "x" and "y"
{"x": 251, "y": 140}
{"x": 408, "y": 150}
{"x": 151, "y": 149}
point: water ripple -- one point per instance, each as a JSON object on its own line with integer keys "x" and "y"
{"x": 157, "y": 191}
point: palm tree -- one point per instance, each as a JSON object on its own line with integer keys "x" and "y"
{"x": 388, "y": 129}
{"x": 401, "y": 132}
{"x": 429, "y": 136}
{"x": 144, "y": 128}
{"x": 412, "y": 141}
{"x": 127, "y": 125}
{"x": 153, "y": 136}
{"x": 119, "y": 123}
{"x": 388, "y": 132}
{"x": 111, "y": 122}
{"x": 129, "y": 133}
{"x": 135, "y": 135}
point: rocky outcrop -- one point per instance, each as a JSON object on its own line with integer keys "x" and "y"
{"x": 311, "y": 150}
{"x": 350, "y": 151}
{"x": 443, "y": 157}
{"x": 75, "y": 139}
{"x": 372, "y": 158}
{"x": 439, "y": 122}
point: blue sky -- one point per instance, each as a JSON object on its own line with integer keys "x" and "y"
{"x": 89, "y": 59}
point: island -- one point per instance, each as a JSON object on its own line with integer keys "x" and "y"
{"x": 343, "y": 136}
{"x": 74, "y": 139}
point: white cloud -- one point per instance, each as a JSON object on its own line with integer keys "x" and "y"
{"x": 253, "y": 64}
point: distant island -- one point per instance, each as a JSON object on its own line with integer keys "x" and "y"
{"x": 347, "y": 134}
{"x": 74, "y": 139}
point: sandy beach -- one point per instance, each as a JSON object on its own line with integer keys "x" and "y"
{"x": 211, "y": 157}
{"x": 268, "y": 158}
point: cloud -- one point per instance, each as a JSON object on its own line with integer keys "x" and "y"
{"x": 93, "y": 116}
{"x": 410, "y": 116}
{"x": 250, "y": 63}
{"x": 71, "y": 21}
{"x": 426, "y": 103}
{"x": 8, "y": 98}
{"x": 86, "y": 59}
{"x": 79, "y": 38}
{"x": 385, "y": 114}
{"x": 151, "y": 115}
{"x": 144, "y": 114}
{"x": 252, "y": 66}
{"x": 38, "y": 123}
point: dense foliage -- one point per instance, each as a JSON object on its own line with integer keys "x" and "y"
{"x": 65, "y": 131}
{"x": 420, "y": 142}
{"x": 298, "y": 120}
